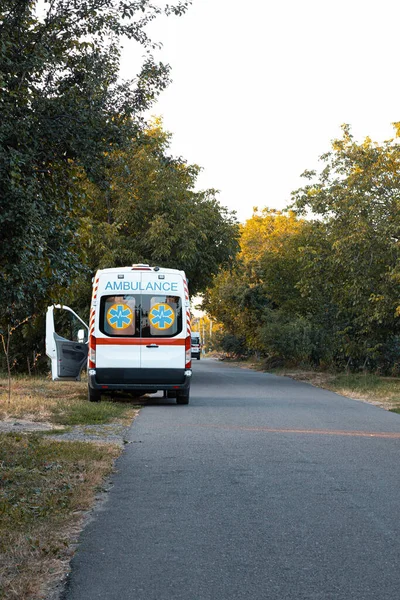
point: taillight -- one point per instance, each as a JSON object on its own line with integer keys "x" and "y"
{"x": 188, "y": 353}
{"x": 92, "y": 352}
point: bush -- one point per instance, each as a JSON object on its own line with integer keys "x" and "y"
{"x": 294, "y": 341}
{"x": 232, "y": 345}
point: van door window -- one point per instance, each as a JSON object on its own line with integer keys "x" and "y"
{"x": 161, "y": 316}
{"x": 119, "y": 316}
{"x": 69, "y": 327}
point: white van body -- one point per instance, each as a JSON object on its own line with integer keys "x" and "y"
{"x": 138, "y": 334}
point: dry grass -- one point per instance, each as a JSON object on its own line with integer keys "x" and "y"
{"x": 47, "y": 485}
{"x": 37, "y": 398}
{"x": 367, "y": 387}
{"x": 59, "y": 402}
{"x": 46, "y": 488}
{"x": 380, "y": 391}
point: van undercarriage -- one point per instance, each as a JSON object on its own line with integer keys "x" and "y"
{"x": 173, "y": 381}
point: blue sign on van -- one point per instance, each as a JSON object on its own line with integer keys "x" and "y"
{"x": 161, "y": 316}
{"x": 119, "y": 316}
{"x": 140, "y": 286}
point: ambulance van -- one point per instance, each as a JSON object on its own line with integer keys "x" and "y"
{"x": 138, "y": 339}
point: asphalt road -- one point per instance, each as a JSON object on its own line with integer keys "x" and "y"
{"x": 261, "y": 488}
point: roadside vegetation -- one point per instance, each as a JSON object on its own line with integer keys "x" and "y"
{"x": 318, "y": 286}
{"x": 59, "y": 403}
{"x": 86, "y": 182}
{"x": 381, "y": 391}
{"x": 48, "y": 485}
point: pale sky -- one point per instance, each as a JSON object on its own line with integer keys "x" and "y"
{"x": 260, "y": 88}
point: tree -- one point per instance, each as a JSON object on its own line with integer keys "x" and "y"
{"x": 323, "y": 290}
{"x": 145, "y": 209}
{"x": 63, "y": 109}
{"x": 352, "y": 265}
{"x": 150, "y": 212}
{"x": 262, "y": 280}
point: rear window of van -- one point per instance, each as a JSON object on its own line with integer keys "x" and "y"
{"x": 141, "y": 315}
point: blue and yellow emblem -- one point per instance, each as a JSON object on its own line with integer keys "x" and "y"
{"x": 119, "y": 316}
{"x": 162, "y": 316}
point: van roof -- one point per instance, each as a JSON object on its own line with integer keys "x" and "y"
{"x": 141, "y": 267}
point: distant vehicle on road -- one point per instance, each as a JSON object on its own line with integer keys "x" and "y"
{"x": 196, "y": 345}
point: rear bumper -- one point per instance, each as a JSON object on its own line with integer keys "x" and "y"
{"x": 149, "y": 380}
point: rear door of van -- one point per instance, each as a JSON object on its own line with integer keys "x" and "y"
{"x": 117, "y": 321}
{"x": 163, "y": 310}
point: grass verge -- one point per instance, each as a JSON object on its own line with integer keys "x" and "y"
{"x": 46, "y": 487}
{"x": 374, "y": 389}
{"x": 381, "y": 391}
{"x": 61, "y": 403}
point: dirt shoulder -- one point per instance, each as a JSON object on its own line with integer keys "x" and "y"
{"x": 57, "y": 451}
{"x": 107, "y": 433}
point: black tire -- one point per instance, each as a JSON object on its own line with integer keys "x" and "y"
{"x": 94, "y": 395}
{"x": 182, "y": 397}
{"x": 198, "y": 358}
{"x": 171, "y": 394}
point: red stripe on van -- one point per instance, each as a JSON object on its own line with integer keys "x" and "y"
{"x": 139, "y": 341}
{"x": 92, "y": 352}
{"x": 188, "y": 353}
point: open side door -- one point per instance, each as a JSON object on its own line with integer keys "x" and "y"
{"x": 66, "y": 343}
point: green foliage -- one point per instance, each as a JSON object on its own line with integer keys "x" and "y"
{"x": 62, "y": 109}
{"x": 262, "y": 280}
{"x": 45, "y": 485}
{"x": 351, "y": 263}
{"x": 83, "y": 183}
{"x": 328, "y": 287}
{"x": 82, "y": 412}
{"x": 287, "y": 338}
{"x": 232, "y": 345}
{"x": 148, "y": 211}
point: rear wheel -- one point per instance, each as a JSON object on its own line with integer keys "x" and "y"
{"x": 93, "y": 395}
{"x": 182, "y": 397}
{"x": 198, "y": 358}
